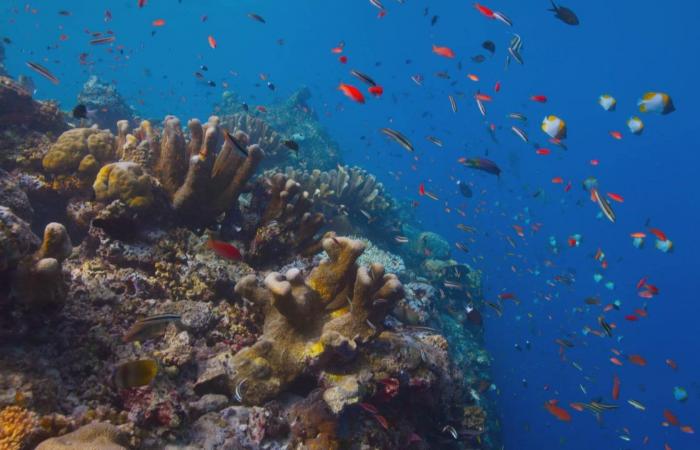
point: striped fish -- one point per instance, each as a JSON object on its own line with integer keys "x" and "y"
{"x": 150, "y": 327}
{"x": 604, "y": 205}
{"x": 453, "y": 103}
{"x": 520, "y": 133}
{"x": 43, "y": 71}
{"x": 398, "y": 138}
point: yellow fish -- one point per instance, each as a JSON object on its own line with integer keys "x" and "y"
{"x": 135, "y": 373}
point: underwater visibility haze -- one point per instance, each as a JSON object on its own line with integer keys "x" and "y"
{"x": 395, "y": 224}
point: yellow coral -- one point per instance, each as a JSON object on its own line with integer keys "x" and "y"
{"x": 16, "y": 425}
{"x": 314, "y": 349}
{"x": 125, "y": 181}
{"x": 72, "y": 146}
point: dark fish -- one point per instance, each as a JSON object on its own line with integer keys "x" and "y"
{"x": 256, "y": 17}
{"x": 484, "y": 164}
{"x": 291, "y": 145}
{"x": 211, "y": 83}
{"x": 605, "y": 325}
{"x": 564, "y": 14}
{"x": 478, "y": 58}
{"x": 203, "y": 67}
{"x": 362, "y": 77}
{"x": 464, "y": 189}
{"x": 245, "y": 107}
{"x": 270, "y": 86}
{"x": 237, "y": 145}
{"x": 103, "y": 40}
{"x": 434, "y": 20}
{"x": 398, "y": 138}
{"x": 43, "y": 71}
{"x": 80, "y": 112}
{"x": 443, "y": 75}
{"x": 135, "y": 373}
{"x": 199, "y": 76}
{"x": 7, "y": 40}
{"x": 462, "y": 246}
{"x": 64, "y": 13}
{"x": 150, "y": 327}
{"x": 434, "y": 140}
{"x": 490, "y": 46}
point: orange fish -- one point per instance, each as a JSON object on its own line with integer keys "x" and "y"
{"x": 577, "y": 406}
{"x": 687, "y": 429}
{"x": 543, "y": 151}
{"x": 638, "y": 235}
{"x": 443, "y": 51}
{"x": 616, "y": 387}
{"x": 671, "y": 418}
{"x": 352, "y": 92}
{"x": 421, "y": 189}
{"x": 672, "y": 364}
{"x": 212, "y": 41}
{"x": 637, "y": 359}
{"x": 484, "y": 10}
{"x": 641, "y": 312}
{"x": 557, "y": 180}
{"x": 667, "y": 447}
{"x": 594, "y": 162}
{"x": 473, "y": 77}
{"x": 616, "y": 361}
{"x": 483, "y": 97}
{"x": 224, "y": 249}
{"x": 497, "y": 86}
{"x": 658, "y": 233}
{"x": 377, "y": 91}
{"x": 617, "y": 197}
{"x": 538, "y": 98}
{"x": 159, "y": 22}
{"x": 616, "y": 135}
{"x": 557, "y": 411}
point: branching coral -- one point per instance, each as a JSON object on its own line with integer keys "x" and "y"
{"x": 347, "y": 190}
{"x": 17, "y": 425}
{"x": 309, "y": 321}
{"x": 286, "y": 225}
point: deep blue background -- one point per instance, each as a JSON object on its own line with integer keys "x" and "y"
{"x": 624, "y": 48}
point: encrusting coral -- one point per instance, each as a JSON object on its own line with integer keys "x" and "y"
{"x": 286, "y": 226}
{"x": 125, "y": 181}
{"x": 309, "y": 320}
{"x": 79, "y": 149}
{"x": 94, "y": 436}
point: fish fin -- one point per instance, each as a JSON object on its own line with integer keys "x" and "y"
{"x": 555, "y": 8}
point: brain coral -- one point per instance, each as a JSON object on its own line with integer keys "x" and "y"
{"x": 67, "y": 153}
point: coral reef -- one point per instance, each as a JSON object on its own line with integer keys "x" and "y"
{"x": 18, "y": 428}
{"x": 104, "y": 103}
{"x": 258, "y": 131}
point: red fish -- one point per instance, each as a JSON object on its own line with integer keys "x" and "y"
{"x": 506, "y": 296}
{"x": 421, "y": 189}
{"x": 631, "y": 318}
{"x": 543, "y": 151}
{"x": 687, "y": 429}
{"x": 577, "y": 406}
{"x": 159, "y": 22}
{"x": 641, "y": 312}
{"x": 352, "y": 92}
{"x": 483, "y": 97}
{"x": 497, "y": 87}
{"x": 616, "y": 361}
{"x": 616, "y": 197}
{"x": 658, "y": 233}
{"x": 641, "y": 283}
{"x": 671, "y": 418}
{"x": 616, "y": 135}
{"x": 443, "y": 51}
{"x": 616, "y": 387}
{"x": 224, "y": 249}
{"x": 484, "y": 10}
{"x": 142, "y": 3}
{"x": 594, "y": 162}
{"x": 557, "y": 180}
{"x": 539, "y": 98}
{"x": 557, "y": 411}
{"x": 261, "y": 108}
{"x": 212, "y": 41}
{"x": 343, "y": 59}
{"x": 637, "y": 359}
{"x": 473, "y": 77}
{"x": 672, "y": 364}
{"x": 382, "y": 421}
{"x": 377, "y": 91}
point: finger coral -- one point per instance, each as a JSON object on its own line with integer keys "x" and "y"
{"x": 309, "y": 321}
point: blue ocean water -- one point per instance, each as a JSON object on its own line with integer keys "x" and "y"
{"x": 622, "y": 48}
